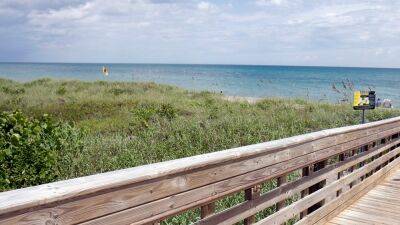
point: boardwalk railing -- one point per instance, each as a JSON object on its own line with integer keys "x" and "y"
{"x": 306, "y": 179}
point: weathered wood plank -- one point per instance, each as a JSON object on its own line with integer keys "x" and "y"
{"x": 290, "y": 211}
{"x": 334, "y": 207}
{"x": 380, "y": 210}
{"x": 281, "y": 181}
{"x": 207, "y": 210}
{"x": 316, "y": 167}
{"x": 305, "y": 172}
{"x": 237, "y": 213}
{"x": 250, "y": 195}
{"x": 82, "y": 199}
{"x": 216, "y": 190}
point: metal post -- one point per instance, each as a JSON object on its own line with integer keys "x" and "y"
{"x": 363, "y": 117}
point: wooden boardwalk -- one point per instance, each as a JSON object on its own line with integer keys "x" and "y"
{"x": 381, "y": 205}
{"x": 346, "y": 175}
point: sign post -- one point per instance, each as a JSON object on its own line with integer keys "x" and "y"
{"x": 364, "y": 100}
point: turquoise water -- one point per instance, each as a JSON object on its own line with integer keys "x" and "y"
{"x": 253, "y": 81}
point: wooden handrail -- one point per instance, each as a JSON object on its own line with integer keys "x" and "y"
{"x": 151, "y": 193}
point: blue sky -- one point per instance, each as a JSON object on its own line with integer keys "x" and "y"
{"x": 273, "y": 32}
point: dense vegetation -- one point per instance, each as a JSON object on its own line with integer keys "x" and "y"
{"x": 102, "y": 126}
{"x": 34, "y": 151}
{"x": 130, "y": 124}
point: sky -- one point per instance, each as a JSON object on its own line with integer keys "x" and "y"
{"x": 267, "y": 32}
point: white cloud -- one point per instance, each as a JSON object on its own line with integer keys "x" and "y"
{"x": 268, "y": 32}
{"x": 206, "y": 6}
{"x": 271, "y": 2}
{"x": 65, "y": 14}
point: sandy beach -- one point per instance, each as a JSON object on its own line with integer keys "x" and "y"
{"x": 251, "y": 100}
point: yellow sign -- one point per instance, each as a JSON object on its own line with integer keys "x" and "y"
{"x": 357, "y": 98}
{"x": 364, "y": 100}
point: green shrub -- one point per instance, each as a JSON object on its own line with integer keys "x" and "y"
{"x": 167, "y": 110}
{"x": 34, "y": 151}
{"x": 145, "y": 113}
{"x": 13, "y": 90}
{"x": 142, "y": 115}
{"x": 61, "y": 90}
{"x": 120, "y": 91}
{"x": 38, "y": 82}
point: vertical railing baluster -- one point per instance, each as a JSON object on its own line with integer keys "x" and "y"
{"x": 280, "y": 181}
{"x": 381, "y": 142}
{"x": 207, "y": 210}
{"x": 251, "y": 194}
{"x": 351, "y": 169}
{"x": 342, "y": 157}
{"x": 316, "y": 187}
{"x": 388, "y": 140}
{"x": 364, "y": 149}
{"x": 370, "y": 147}
{"x": 305, "y": 172}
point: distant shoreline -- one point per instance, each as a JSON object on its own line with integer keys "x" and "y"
{"x": 311, "y": 83}
{"x": 232, "y": 98}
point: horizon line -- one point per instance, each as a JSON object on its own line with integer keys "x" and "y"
{"x": 199, "y": 64}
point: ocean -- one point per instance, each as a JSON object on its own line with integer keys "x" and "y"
{"x": 305, "y": 82}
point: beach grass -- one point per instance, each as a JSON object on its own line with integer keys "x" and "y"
{"x": 129, "y": 124}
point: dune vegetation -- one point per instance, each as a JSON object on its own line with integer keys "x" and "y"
{"x": 102, "y": 126}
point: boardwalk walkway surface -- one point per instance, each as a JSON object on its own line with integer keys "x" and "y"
{"x": 381, "y": 205}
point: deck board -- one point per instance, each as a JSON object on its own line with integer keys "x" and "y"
{"x": 381, "y": 205}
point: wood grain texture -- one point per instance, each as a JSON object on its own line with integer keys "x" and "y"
{"x": 336, "y": 206}
{"x": 292, "y": 210}
{"x": 250, "y": 195}
{"x": 152, "y": 192}
{"x": 216, "y": 190}
{"x": 227, "y": 186}
{"x": 207, "y": 210}
{"x": 248, "y": 208}
{"x": 281, "y": 181}
{"x": 380, "y": 205}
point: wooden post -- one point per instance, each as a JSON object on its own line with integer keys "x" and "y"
{"x": 342, "y": 157}
{"x": 370, "y": 147}
{"x": 207, "y": 210}
{"x": 388, "y": 140}
{"x": 363, "y": 149}
{"x": 375, "y": 144}
{"x": 305, "y": 172}
{"x": 280, "y": 181}
{"x": 351, "y": 169}
{"x": 381, "y": 142}
{"x": 250, "y": 194}
{"x": 316, "y": 187}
